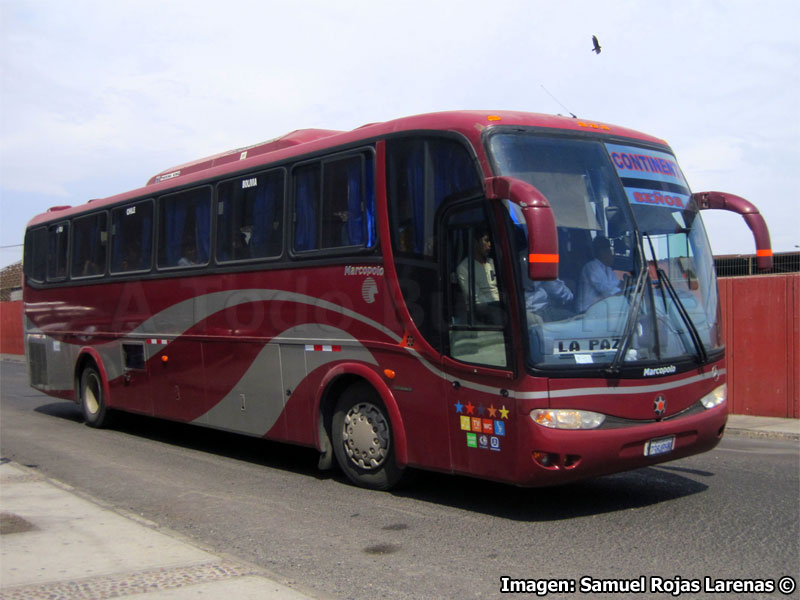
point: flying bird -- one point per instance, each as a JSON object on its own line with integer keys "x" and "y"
{"x": 596, "y": 49}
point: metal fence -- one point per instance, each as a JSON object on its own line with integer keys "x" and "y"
{"x": 741, "y": 265}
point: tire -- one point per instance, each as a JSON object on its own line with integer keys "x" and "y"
{"x": 93, "y": 402}
{"x": 362, "y": 439}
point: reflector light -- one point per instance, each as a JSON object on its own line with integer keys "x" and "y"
{"x": 389, "y": 373}
{"x": 543, "y": 258}
{"x": 493, "y": 118}
{"x": 593, "y": 125}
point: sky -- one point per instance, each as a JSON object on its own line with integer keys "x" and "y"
{"x": 97, "y": 96}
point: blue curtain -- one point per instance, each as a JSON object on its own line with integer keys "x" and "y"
{"x": 81, "y": 250}
{"x": 52, "y": 255}
{"x": 88, "y": 255}
{"x": 369, "y": 201}
{"x": 416, "y": 190}
{"x": 202, "y": 226}
{"x": 146, "y": 236}
{"x": 224, "y": 242}
{"x": 117, "y": 242}
{"x": 263, "y": 216}
{"x": 174, "y": 221}
{"x": 355, "y": 214}
{"x": 453, "y": 171}
{"x": 99, "y": 252}
{"x": 305, "y": 233}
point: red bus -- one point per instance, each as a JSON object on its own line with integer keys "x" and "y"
{"x": 518, "y": 297}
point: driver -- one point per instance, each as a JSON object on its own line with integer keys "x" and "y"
{"x": 598, "y": 280}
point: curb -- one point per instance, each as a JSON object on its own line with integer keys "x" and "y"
{"x": 755, "y": 433}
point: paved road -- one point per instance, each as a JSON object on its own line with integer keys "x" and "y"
{"x": 731, "y": 513}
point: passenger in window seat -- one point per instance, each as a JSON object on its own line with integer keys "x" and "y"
{"x": 487, "y": 297}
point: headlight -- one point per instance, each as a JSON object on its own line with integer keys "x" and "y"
{"x": 716, "y": 397}
{"x": 567, "y": 419}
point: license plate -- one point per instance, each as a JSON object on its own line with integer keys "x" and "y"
{"x": 659, "y": 446}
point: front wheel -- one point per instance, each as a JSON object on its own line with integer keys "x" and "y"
{"x": 362, "y": 439}
{"x": 93, "y": 403}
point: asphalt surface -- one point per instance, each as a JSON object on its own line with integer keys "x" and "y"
{"x": 730, "y": 513}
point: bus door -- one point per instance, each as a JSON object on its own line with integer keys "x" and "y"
{"x": 477, "y": 344}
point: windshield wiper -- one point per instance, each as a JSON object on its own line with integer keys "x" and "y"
{"x": 665, "y": 283}
{"x": 633, "y": 315}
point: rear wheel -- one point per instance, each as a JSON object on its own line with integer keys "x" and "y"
{"x": 93, "y": 402}
{"x": 362, "y": 439}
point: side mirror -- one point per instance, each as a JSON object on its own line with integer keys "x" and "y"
{"x": 539, "y": 218}
{"x": 751, "y": 216}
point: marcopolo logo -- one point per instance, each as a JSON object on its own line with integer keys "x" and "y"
{"x": 668, "y": 370}
{"x": 369, "y": 289}
{"x": 363, "y": 270}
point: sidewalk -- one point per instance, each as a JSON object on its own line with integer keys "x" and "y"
{"x": 56, "y": 544}
{"x": 767, "y": 427}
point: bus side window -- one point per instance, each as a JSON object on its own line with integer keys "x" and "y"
{"x": 89, "y": 241}
{"x": 250, "y": 217}
{"x": 348, "y": 215}
{"x": 57, "y": 247}
{"x": 185, "y": 228}
{"x": 131, "y": 237}
{"x": 334, "y": 204}
{"x": 475, "y": 311}
{"x": 422, "y": 174}
{"x": 35, "y": 263}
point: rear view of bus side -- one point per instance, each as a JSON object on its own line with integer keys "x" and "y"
{"x": 517, "y": 297}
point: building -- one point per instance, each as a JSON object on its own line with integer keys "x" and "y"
{"x": 11, "y": 283}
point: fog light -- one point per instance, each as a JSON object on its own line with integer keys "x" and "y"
{"x": 567, "y": 419}
{"x": 716, "y": 397}
{"x": 548, "y": 460}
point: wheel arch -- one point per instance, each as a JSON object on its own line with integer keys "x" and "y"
{"x": 330, "y": 389}
{"x": 89, "y": 357}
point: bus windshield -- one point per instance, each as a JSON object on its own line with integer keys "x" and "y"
{"x": 636, "y": 284}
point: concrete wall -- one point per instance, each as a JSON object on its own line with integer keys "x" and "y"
{"x": 761, "y": 320}
{"x": 11, "y": 328}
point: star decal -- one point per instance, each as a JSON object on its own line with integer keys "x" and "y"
{"x": 504, "y": 412}
{"x": 470, "y": 408}
{"x": 458, "y": 406}
{"x": 481, "y": 409}
{"x": 492, "y": 410}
